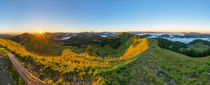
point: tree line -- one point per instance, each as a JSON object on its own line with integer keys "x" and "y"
{"x": 182, "y": 48}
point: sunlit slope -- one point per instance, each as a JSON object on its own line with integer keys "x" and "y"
{"x": 137, "y": 66}
{"x": 138, "y": 45}
{"x": 41, "y": 44}
{"x": 81, "y": 67}
{"x": 46, "y": 45}
{"x": 13, "y": 46}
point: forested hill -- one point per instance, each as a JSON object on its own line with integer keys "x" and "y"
{"x": 197, "y": 48}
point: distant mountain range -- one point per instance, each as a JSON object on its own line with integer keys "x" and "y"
{"x": 181, "y": 37}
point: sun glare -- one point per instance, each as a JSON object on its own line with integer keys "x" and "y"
{"x": 40, "y": 32}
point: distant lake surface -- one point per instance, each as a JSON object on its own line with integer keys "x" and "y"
{"x": 65, "y": 38}
{"x": 187, "y": 40}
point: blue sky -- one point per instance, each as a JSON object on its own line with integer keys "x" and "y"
{"x": 104, "y": 15}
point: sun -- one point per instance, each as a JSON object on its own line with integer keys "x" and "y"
{"x": 40, "y": 32}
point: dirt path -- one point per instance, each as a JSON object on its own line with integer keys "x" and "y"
{"x": 24, "y": 74}
{"x": 5, "y": 73}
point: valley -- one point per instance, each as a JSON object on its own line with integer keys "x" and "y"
{"x": 121, "y": 59}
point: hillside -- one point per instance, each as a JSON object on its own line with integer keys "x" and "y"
{"x": 159, "y": 66}
{"x": 197, "y": 48}
{"x": 46, "y": 45}
{"x": 143, "y": 62}
{"x": 114, "y": 46}
{"x": 21, "y": 37}
{"x": 84, "y": 38}
{"x": 41, "y": 44}
{"x": 199, "y": 44}
{"x": 74, "y": 68}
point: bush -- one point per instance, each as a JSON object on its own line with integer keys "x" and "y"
{"x": 89, "y": 50}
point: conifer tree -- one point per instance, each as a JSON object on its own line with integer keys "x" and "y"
{"x": 89, "y": 50}
{"x": 96, "y": 51}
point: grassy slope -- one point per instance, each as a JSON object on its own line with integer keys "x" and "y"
{"x": 153, "y": 66}
{"x": 45, "y": 46}
{"x": 199, "y": 45}
{"x": 107, "y": 50}
{"x": 78, "y": 68}
{"x": 158, "y": 66}
{"x": 197, "y": 48}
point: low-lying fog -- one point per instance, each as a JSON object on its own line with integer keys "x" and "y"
{"x": 185, "y": 38}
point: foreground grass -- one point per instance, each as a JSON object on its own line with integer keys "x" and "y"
{"x": 158, "y": 66}
{"x": 74, "y": 68}
{"x": 154, "y": 66}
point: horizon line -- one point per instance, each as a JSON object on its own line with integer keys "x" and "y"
{"x": 207, "y": 32}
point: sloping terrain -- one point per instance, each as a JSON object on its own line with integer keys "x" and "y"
{"x": 197, "y": 48}
{"x": 159, "y": 66}
{"x": 114, "y": 46}
{"x": 73, "y": 68}
{"x": 46, "y": 45}
{"x": 8, "y": 74}
{"x": 142, "y": 63}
